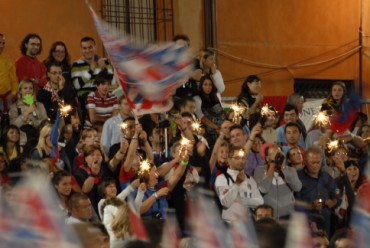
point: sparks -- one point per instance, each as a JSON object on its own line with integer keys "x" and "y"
{"x": 184, "y": 143}
{"x": 196, "y": 126}
{"x": 241, "y": 153}
{"x": 144, "y": 167}
{"x": 238, "y": 111}
{"x": 123, "y": 125}
{"x": 333, "y": 145}
{"x": 64, "y": 109}
{"x": 265, "y": 110}
{"x": 321, "y": 118}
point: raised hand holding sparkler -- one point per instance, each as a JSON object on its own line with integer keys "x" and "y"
{"x": 144, "y": 169}
{"x": 332, "y": 145}
{"x": 238, "y": 112}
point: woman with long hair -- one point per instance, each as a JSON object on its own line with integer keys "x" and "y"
{"x": 58, "y": 53}
{"x": 44, "y": 145}
{"x": 10, "y": 143}
{"x": 62, "y": 183}
{"x": 250, "y": 96}
{"x": 209, "y": 109}
{"x": 337, "y": 96}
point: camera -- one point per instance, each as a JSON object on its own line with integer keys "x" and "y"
{"x": 279, "y": 158}
{"x": 157, "y": 215}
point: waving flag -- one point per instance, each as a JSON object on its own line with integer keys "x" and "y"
{"x": 32, "y": 217}
{"x": 361, "y": 214}
{"x": 148, "y": 74}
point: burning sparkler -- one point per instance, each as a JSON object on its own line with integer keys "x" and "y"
{"x": 196, "y": 125}
{"x": 241, "y": 153}
{"x": 333, "y": 145}
{"x": 238, "y": 111}
{"x": 144, "y": 169}
{"x": 265, "y": 110}
{"x": 184, "y": 143}
{"x": 64, "y": 109}
{"x": 321, "y": 118}
{"x": 123, "y": 126}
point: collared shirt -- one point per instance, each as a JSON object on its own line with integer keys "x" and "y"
{"x": 112, "y": 133}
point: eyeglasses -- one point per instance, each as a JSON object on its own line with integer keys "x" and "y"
{"x": 341, "y": 153}
{"x": 59, "y": 51}
{"x": 55, "y": 73}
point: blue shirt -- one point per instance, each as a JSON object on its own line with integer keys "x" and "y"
{"x": 159, "y": 205}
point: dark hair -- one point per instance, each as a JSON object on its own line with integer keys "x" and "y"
{"x": 130, "y": 118}
{"x": 54, "y": 63}
{"x": 184, "y": 100}
{"x": 290, "y": 107}
{"x": 359, "y": 132}
{"x": 245, "y": 93}
{"x": 207, "y": 53}
{"x": 181, "y": 37}
{"x": 208, "y": 100}
{"x": 264, "y": 206}
{"x": 26, "y": 40}
{"x": 360, "y": 117}
{"x": 103, "y": 77}
{"x": 236, "y": 127}
{"x": 351, "y": 162}
{"x": 2, "y": 154}
{"x": 103, "y": 184}
{"x": 340, "y": 234}
{"x": 267, "y": 149}
{"x": 87, "y": 38}
{"x": 88, "y": 150}
{"x": 292, "y": 124}
{"x": 74, "y": 200}
{"x": 66, "y": 63}
{"x": 58, "y": 177}
{"x": 187, "y": 114}
{"x": 4, "y": 140}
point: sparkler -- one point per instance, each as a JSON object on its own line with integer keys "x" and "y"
{"x": 333, "y": 145}
{"x": 238, "y": 111}
{"x": 241, "y": 153}
{"x": 64, "y": 109}
{"x": 123, "y": 125}
{"x": 321, "y": 118}
{"x": 144, "y": 169}
{"x": 184, "y": 143}
{"x": 196, "y": 125}
{"x": 265, "y": 110}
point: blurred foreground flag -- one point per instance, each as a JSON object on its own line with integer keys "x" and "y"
{"x": 30, "y": 217}
{"x": 148, "y": 74}
{"x": 361, "y": 214}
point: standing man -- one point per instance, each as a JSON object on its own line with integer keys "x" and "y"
{"x": 8, "y": 79}
{"x": 112, "y": 133}
{"x": 318, "y": 187}
{"x": 28, "y": 66}
{"x": 56, "y": 91}
{"x": 277, "y": 182}
{"x": 85, "y": 70}
{"x": 237, "y": 192}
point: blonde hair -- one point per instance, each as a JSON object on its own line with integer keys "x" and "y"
{"x": 86, "y": 132}
{"x": 41, "y": 145}
{"x": 121, "y": 224}
{"x": 23, "y": 82}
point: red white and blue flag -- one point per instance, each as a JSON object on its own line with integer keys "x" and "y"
{"x": 32, "y": 218}
{"x": 149, "y": 74}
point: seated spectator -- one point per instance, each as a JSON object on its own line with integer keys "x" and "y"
{"x": 101, "y": 104}
{"x": 59, "y": 54}
{"x": 62, "y": 182}
{"x": 55, "y": 92}
{"x": 295, "y": 158}
{"x": 290, "y": 114}
{"x": 209, "y": 109}
{"x": 237, "y": 192}
{"x": 263, "y": 211}
{"x": 250, "y": 96}
{"x": 293, "y": 135}
{"x": 89, "y": 136}
{"x": 254, "y": 158}
{"x": 10, "y": 143}
{"x": 320, "y": 239}
{"x": 27, "y": 114}
{"x": 81, "y": 210}
{"x": 343, "y": 238}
